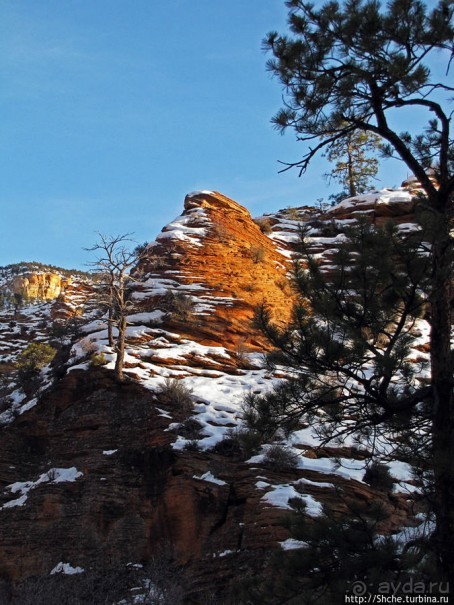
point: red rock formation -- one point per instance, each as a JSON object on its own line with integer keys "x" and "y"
{"x": 236, "y": 265}
{"x": 74, "y": 300}
{"x": 379, "y": 207}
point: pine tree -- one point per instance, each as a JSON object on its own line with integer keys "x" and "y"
{"x": 340, "y": 552}
{"x": 353, "y": 66}
{"x": 30, "y": 362}
{"x": 349, "y": 344}
{"x": 355, "y": 166}
{"x": 349, "y": 340}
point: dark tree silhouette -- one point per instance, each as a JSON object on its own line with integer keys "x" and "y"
{"x": 355, "y": 66}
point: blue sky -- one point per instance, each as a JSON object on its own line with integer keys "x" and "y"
{"x": 112, "y": 110}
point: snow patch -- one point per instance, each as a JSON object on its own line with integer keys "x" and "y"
{"x": 292, "y": 544}
{"x": 53, "y": 475}
{"x": 66, "y": 569}
{"x": 210, "y": 478}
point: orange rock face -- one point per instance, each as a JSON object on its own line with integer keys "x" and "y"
{"x": 234, "y": 264}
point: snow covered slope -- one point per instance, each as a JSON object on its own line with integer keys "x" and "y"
{"x": 152, "y": 468}
{"x": 204, "y": 257}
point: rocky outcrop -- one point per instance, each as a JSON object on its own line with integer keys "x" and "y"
{"x": 42, "y": 286}
{"x": 324, "y": 228}
{"x": 75, "y": 299}
{"x": 398, "y": 205}
{"x": 217, "y": 251}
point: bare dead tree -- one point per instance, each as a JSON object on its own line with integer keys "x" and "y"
{"x": 113, "y": 266}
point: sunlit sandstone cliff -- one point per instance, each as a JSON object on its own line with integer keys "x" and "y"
{"x": 42, "y": 286}
{"x": 215, "y": 250}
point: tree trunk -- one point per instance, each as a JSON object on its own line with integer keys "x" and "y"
{"x": 110, "y": 337}
{"x": 351, "y": 176}
{"x": 443, "y": 403}
{"x": 120, "y": 349}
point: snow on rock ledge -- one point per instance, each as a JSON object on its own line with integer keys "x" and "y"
{"x": 382, "y": 204}
{"x": 66, "y": 569}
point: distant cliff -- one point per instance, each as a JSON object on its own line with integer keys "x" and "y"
{"x": 27, "y": 281}
{"x": 43, "y": 286}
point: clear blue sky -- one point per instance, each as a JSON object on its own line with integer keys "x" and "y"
{"x": 112, "y": 110}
